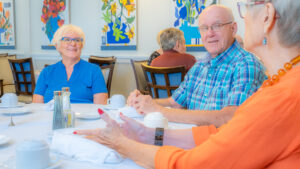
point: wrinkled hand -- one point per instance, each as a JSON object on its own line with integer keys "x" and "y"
{"x": 110, "y": 136}
{"x": 132, "y": 98}
{"x": 137, "y": 131}
{"x": 145, "y": 104}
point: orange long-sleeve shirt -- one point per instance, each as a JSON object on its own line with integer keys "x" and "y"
{"x": 263, "y": 134}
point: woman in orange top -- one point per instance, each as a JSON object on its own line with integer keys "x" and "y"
{"x": 265, "y": 130}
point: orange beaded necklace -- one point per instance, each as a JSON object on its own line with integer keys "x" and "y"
{"x": 275, "y": 78}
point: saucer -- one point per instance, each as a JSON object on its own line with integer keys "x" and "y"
{"x": 11, "y": 162}
{"x": 20, "y": 104}
{"x": 87, "y": 116}
{"x": 4, "y": 139}
{"x": 14, "y": 111}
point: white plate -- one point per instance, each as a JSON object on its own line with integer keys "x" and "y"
{"x": 15, "y": 111}
{"x": 4, "y": 139}
{"x": 87, "y": 116}
{"x": 19, "y": 105}
{"x": 11, "y": 162}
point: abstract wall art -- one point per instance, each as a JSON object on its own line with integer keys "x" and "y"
{"x": 55, "y": 13}
{"x": 7, "y": 24}
{"x": 186, "y": 19}
{"x": 119, "y": 28}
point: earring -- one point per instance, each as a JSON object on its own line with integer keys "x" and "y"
{"x": 264, "y": 42}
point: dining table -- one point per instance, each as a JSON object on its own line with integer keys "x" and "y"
{"x": 37, "y": 124}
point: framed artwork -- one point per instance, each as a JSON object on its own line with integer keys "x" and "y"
{"x": 186, "y": 19}
{"x": 7, "y": 25}
{"x": 55, "y": 13}
{"x": 119, "y": 29}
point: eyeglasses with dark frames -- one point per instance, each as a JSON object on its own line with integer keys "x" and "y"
{"x": 69, "y": 40}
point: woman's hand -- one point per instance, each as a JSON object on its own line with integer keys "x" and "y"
{"x": 110, "y": 136}
{"x": 137, "y": 131}
{"x": 131, "y": 100}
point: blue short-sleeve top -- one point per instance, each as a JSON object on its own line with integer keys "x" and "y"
{"x": 85, "y": 81}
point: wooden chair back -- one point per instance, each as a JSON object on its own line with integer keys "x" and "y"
{"x": 23, "y": 73}
{"x": 163, "y": 81}
{"x": 106, "y": 64}
{"x": 140, "y": 80}
{"x": 1, "y": 87}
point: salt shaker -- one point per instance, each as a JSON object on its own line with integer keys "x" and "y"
{"x": 68, "y": 114}
{"x": 58, "y": 117}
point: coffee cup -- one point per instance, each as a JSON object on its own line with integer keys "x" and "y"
{"x": 32, "y": 154}
{"x": 9, "y": 100}
{"x": 116, "y": 101}
{"x": 155, "y": 120}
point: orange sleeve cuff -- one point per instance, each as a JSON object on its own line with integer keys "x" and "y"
{"x": 165, "y": 156}
{"x": 202, "y": 133}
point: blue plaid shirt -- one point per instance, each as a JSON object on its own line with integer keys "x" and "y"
{"x": 226, "y": 80}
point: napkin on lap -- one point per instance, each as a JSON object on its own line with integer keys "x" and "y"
{"x": 82, "y": 149}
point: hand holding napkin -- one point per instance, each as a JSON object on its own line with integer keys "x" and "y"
{"x": 82, "y": 149}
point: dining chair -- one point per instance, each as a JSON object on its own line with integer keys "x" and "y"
{"x": 163, "y": 81}
{"x": 140, "y": 80}
{"x": 24, "y": 78}
{"x": 1, "y": 87}
{"x": 6, "y": 73}
{"x": 107, "y": 65}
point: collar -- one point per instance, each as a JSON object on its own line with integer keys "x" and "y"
{"x": 225, "y": 56}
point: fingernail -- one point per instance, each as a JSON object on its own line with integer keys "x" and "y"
{"x": 100, "y": 111}
{"x": 74, "y": 132}
{"x": 121, "y": 113}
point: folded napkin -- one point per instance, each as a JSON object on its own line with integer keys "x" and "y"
{"x": 50, "y": 105}
{"x": 130, "y": 112}
{"x": 82, "y": 149}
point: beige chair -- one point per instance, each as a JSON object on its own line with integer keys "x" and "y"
{"x": 107, "y": 65}
{"x": 6, "y": 73}
{"x": 24, "y": 78}
{"x": 140, "y": 80}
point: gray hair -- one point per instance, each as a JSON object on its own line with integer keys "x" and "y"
{"x": 67, "y": 28}
{"x": 169, "y": 37}
{"x": 288, "y": 23}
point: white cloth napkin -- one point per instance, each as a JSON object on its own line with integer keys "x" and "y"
{"x": 50, "y": 105}
{"x": 130, "y": 112}
{"x": 82, "y": 149}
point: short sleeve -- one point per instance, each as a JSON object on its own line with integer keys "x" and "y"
{"x": 41, "y": 85}
{"x": 98, "y": 84}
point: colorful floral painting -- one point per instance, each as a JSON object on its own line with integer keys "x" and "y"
{"x": 119, "y": 28}
{"x": 186, "y": 19}
{"x": 54, "y": 15}
{"x": 7, "y": 31}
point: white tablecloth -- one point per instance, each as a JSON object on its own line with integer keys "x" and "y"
{"x": 38, "y": 125}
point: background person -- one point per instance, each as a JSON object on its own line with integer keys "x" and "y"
{"x": 173, "y": 45}
{"x": 85, "y": 80}
{"x": 263, "y": 134}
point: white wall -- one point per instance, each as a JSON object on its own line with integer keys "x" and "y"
{"x": 153, "y": 16}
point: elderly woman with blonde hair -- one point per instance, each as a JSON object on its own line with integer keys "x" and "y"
{"x": 263, "y": 133}
{"x": 84, "y": 79}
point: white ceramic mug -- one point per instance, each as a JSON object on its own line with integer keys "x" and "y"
{"x": 9, "y": 100}
{"x": 117, "y": 101}
{"x": 32, "y": 154}
{"x": 155, "y": 120}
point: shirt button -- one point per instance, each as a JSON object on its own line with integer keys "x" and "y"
{"x": 209, "y": 75}
{"x": 205, "y": 95}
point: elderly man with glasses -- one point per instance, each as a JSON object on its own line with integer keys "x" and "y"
{"x": 217, "y": 84}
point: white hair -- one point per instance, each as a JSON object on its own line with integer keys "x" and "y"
{"x": 67, "y": 28}
{"x": 169, "y": 37}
